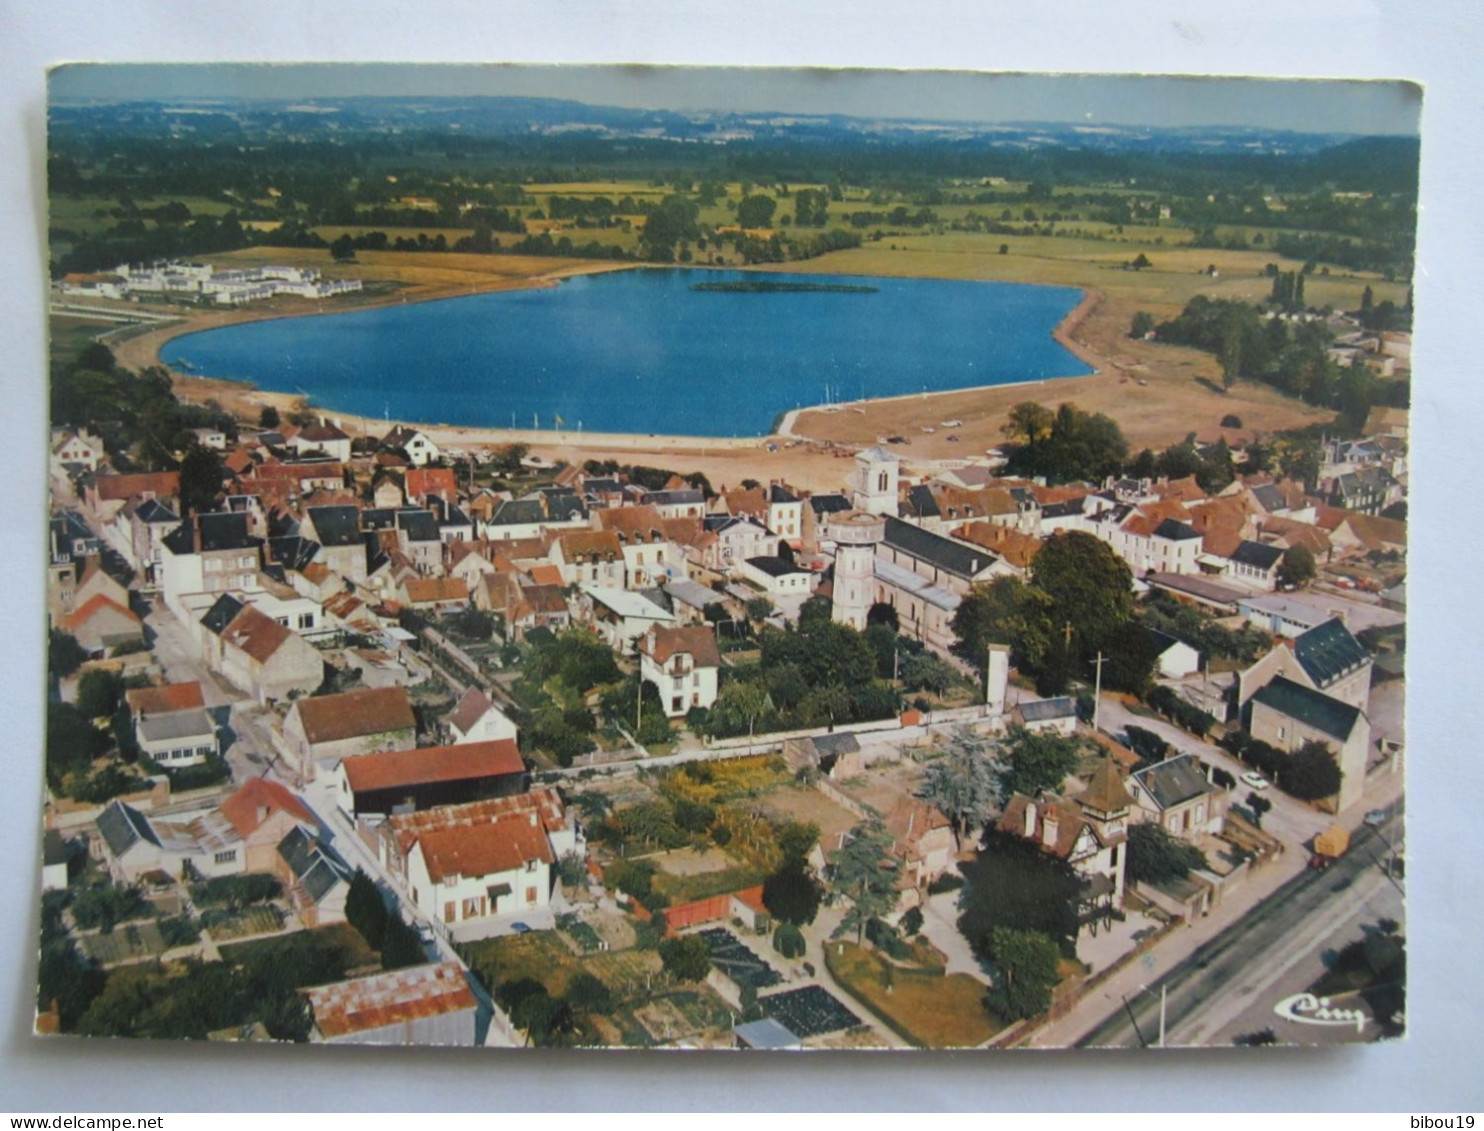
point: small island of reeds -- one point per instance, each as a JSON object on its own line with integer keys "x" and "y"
{"x": 768, "y": 287}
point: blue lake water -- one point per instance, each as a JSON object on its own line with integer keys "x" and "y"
{"x": 639, "y": 351}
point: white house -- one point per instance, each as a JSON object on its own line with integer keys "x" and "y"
{"x": 420, "y": 450}
{"x": 477, "y": 719}
{"x": 621, "y": 616}
{"x": 683, "y": 664}
{"x": 779, "y": 578}
{"x": 472, "y": 876}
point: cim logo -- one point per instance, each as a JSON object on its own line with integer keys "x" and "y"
{"x": 1307, "y": 1009}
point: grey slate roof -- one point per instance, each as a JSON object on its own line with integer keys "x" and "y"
{"x": 1329, "y": 651}
{"x": 774, "y": 567}
{"x": 681, "y": 496}
{"x": 519, "y": 512}
{"x": 315, "y": 869}
{"x": 950, "y": 556}
{"x": 295, "y": 552}
{"x": 221, "y": 614}
{"x": 1065, "y": 509}
{"x": 828, "y": 504}
{"x": 1175, "y": 530}
{"x": 122, "y": 827}
{"x": 833, "y": 745}
{"x": 225, "y": 532}
{"x": 1044, "y": 710}
{"x": 777, "y": 494}
{"x": 1173, "y": 781}
{"x": 336, "y": 526}
{"x": 152, "y": 510}
{"x": 567, "y": 506}
{"x": 1270, "y": 498}
{"x": 1256, "y": 555}
{"x": 420, "y": 525}
{"x": 920, "y": 502}
{"x": 192, "y": 723}
{"x": 1318, "y": 710}
{"x": 378, "y": 518}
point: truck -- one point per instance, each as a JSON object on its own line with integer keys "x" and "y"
{"x": 1329, "y": 846}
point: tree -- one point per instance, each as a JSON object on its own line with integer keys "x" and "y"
{"x": 1038, "y": 760}
{"x": 796, "y": 840}
{"x": 1155, "y": 855}
{"x": 587, "y": 993}
{"x": 1004, "y": 611}
{"x": 1025, "y": 973}
{"x": 72, "y": 742}
{"x": 366, "y": 910}
{"x": 1297, "y": 568}
{"x": 756, "y": 211}
{"x": 268, "y": 417}
{"x": 1029, "y": 422}
{"x": 738, "y": 708}
{"x": 1312, "y": 773}
{"x": 759, "y": 609}
{"x": 1259, "y": 805}
{"x": 1090, "y": 588}
{"x": 64, "y": 655}
{"x": 788, "y": 941}
{"x": 880, "y": 613}
{"x": 343, "y": 249}
{"x": 200, "y": 480}
{"x": 1015, "y": 883}
{"x": 1143, "y": 325}
{"x": 792, "y": 895}
{"x": 99, "y": 692}
{"x": 864, "y": 873}
{"x": 687, "y": 958}
{"x": 966, "y": 783}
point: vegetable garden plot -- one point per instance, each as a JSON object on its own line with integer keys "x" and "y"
{"x": 809, "y": 1011}
{"x": 736, "y": 961}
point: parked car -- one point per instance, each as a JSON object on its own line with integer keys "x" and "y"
{"x": 1376, "y": 817}
{"x": 1255, "y": 780}
{"x": 520, "y": 928}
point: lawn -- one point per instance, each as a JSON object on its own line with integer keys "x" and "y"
{"x": 933, "y": 1012}
{"x": 701, "y": 885}
{"x": 536, "y": 954}
{"x": 342, "y": 940}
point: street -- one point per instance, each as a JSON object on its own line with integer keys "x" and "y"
{"x": 1230, "y": 985}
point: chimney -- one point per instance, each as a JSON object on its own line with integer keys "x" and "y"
{"x": 1030, "y": 820}
{"x": 1049, "y": 822}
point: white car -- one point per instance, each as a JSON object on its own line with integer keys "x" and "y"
{"x": 1255, "y": 780}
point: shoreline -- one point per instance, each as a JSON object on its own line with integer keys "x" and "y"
{"x": 143, "y": 351}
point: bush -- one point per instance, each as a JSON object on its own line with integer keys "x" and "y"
{"x": 1147, "y": 745}
{"x": 912, "y": 922}
{"x": 887, "y": 939}
{"x": 788, "y": 941}
{"x": 948, "y": 881}
{"x": 687, "y": 958}
{"x": 236, "y": 892}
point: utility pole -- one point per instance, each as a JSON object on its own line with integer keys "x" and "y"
{"x": 1163, "y": 994}
{"x": 1097, "y": 693}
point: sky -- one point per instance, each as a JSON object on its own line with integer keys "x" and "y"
{"x": 1308, "y": 106}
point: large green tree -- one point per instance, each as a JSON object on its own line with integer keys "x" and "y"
{"x": 965, "y": 783}
{"x": 1038, "y": 760}
{"x": 200, "y": 480}
{"x": 792, "y": 895}
{"x": 1025, "y": 973}
{"x": 1155, "y": 855}
{"x": 864, "y": 873}
{"x": 1090, "y": 589}
{"x": 756, "y": 211}
{"x": 1014, "y": 883}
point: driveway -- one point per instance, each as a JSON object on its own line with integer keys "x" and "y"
{"x": 940, "y": 925}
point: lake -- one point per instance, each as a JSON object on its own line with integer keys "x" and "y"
{"x": 641, "y": 351}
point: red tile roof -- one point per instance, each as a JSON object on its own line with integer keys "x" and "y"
{"x": 393, "y": 769}
{"x": 355, "y": 714}
{"x": 698, "y": 640}
{"x": 393, "y": 998}
{"x": 97, "y": 605}
{"x": 257, "y": 800}
{"x": 471, "y": 708}
{"x": 258, "y": 635}
{"x": 502, "y": 845}
{"x": 544, "y": 801}
{"x": 164, "y": 484}
{"x": 427, "y": 590}
{"x": 165, "y": 699}
{"x": 423, "y": 481}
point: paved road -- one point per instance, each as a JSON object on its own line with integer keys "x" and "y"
{"x": 1224, "y": 981}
